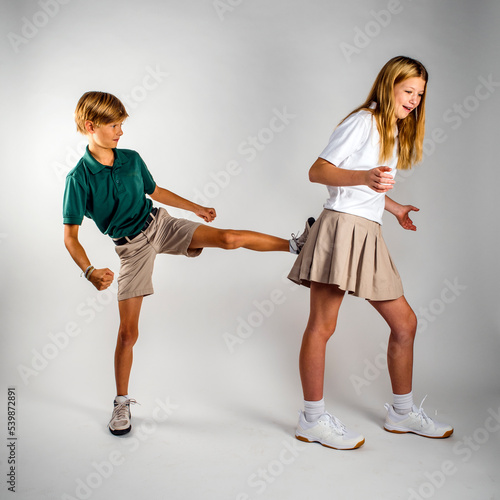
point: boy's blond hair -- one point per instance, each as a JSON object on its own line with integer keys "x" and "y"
{"x": 100, "y": 108}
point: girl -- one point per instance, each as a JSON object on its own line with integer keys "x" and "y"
{"x": 345, "y": 250}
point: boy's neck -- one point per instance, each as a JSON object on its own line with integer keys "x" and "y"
{"x": 105, "y": 156}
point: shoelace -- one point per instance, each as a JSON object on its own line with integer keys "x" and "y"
{"x": 295, "y": 239}
{"x": 422, "y": 413}
{"x": 336, "y": 424}
{"x": 120, "y": 411}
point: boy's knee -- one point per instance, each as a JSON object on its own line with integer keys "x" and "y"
{"x": 411, "y": 324}
{"x": 229, "y": 239}
{"x": 127, "y": 335}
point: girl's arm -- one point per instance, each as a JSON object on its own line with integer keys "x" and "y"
{"x": 172, "y": 200}
{"x": 324, "y": 172}
{"x": 401, "y": 213}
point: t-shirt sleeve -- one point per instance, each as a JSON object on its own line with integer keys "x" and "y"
{"x": 149, "y": 182}
{"x": 74, "y": 201}
{"x": 347, "y": 138}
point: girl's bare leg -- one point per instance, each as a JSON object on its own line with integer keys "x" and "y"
{"x": 325, "y": 304}
{"x": 403, "y": 324}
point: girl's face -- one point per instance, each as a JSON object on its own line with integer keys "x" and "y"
{"x": 407, "y": 96}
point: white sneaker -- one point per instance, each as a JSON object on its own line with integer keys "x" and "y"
{"x": 328, "y": 431}
{"x": 120, "y": 420}
{"x": 297, "y": 242}
{"x": 417, "y": 422}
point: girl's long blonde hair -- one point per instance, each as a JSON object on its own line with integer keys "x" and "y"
{"x": 410, "y": 129}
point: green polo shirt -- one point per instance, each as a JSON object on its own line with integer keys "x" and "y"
{"x": 113, "y": 197}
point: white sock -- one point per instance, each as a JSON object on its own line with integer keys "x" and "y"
{"x": 314, "y": 409}
{"x": 403, "y": 403}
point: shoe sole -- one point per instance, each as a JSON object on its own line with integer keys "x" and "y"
{"x": 305, "y": 440}
{"x": 445, "y": 435}
{"x": 119, "y": 432}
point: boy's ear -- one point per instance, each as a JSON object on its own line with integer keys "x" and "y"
{"x": 89, "y": 127}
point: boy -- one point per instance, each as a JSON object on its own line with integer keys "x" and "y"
{"x": 109, "y": 185}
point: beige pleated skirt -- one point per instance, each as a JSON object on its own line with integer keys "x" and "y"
{"x": 348, "y": 251}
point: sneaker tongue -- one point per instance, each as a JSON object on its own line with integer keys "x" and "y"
{"x": 121, "y": 399}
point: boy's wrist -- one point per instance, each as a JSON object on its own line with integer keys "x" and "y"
{"x": 90, "y": 269}
{"x": 196, "y": 208}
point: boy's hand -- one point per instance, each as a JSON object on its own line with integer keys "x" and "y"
{"x": 101, "y": 278}
{"x": 207, "y": 214}
{"x": 403, "y": 218}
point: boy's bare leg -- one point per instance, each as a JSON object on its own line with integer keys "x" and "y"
{"x": 127, "y": 336}
{"x": 206, "y": 236}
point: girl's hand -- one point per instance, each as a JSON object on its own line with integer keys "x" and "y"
{"x": 207, "y": 214}
{"x": 404, "y": 219}
{"x": 101, "y": 278}
{"x": 379, "y": 180}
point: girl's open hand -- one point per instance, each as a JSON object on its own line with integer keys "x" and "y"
{"x": 404, "y": 219}
{"x": 379, "y": 179}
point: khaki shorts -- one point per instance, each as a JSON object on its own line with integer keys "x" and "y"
{"x": 165, "y": 234}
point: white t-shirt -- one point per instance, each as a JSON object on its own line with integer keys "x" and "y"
{"x": 355, "y": 145}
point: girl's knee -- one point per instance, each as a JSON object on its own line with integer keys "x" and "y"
{"x": 407, "y": 330}
{"x": 320, "y": 332}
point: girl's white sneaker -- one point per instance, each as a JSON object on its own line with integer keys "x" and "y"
{"x": 417, "y": 422}
{"x": 328, "y": 431}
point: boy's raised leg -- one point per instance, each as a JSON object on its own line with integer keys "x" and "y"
{"x": 206, "y": 236}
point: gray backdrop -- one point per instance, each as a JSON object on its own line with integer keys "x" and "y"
{"x": 230, "y": 102}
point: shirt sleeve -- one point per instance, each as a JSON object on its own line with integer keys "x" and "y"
{"x": 348, "y": 138}
{"x": 149, "y": 182}
{"x": 74, "y": 201}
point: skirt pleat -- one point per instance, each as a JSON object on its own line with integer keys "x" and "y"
{"x": 350, "y": 252}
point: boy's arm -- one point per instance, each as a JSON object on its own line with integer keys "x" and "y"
{"x": 173, "y": 200}
{"x": 100, "y": 278}
{"x": 401, "y": 213}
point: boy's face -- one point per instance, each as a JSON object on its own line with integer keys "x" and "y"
{"x": 108, "y": 135}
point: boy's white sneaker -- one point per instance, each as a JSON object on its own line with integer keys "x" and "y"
{"x": 328, "y": 431}
{"x": 297, "y": 242}
{"x": 417, "y": 422}
{"x": 120, "y": 419}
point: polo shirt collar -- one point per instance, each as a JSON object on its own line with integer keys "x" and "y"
{"x": 95, "y": 167}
